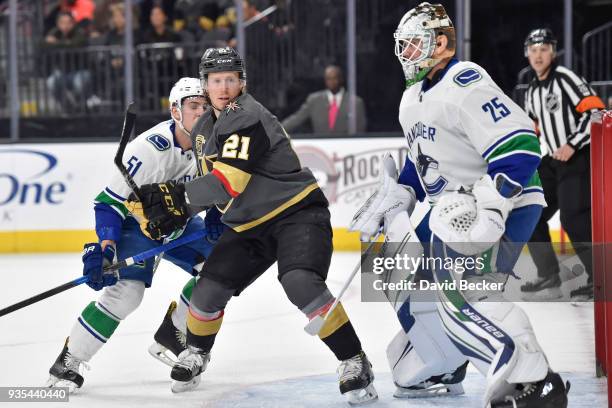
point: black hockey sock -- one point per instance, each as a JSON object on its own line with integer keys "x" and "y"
{"x": 339, "y": 335}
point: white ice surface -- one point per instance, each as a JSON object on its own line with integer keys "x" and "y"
{"x": 262, "y": 357}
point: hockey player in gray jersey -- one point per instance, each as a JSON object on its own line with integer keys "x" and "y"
{"x": 276, "y": 212}
{"x": 160, "y": 153}
{"x": 473, "y": 155}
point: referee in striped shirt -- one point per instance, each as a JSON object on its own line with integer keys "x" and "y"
{"x": 560, "y": 103}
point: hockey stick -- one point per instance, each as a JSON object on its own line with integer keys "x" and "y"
{"x": 316, "y": 324}
{"x": 122, "y": 264}
{"x": 128, "y": 124}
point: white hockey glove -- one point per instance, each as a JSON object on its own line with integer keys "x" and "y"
{"x": 472, "y": 223}
{"x": 390, "y": 199}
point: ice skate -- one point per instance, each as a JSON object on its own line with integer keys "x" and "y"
{"x": 547, "y": 393}
{"x": 540, "y": 289}
{"x": 169, "y": 341}
{"x": 444, "y": 385}
{"x": 356, "y": 380}
{"x": 186, "y": 372}
{"x": 582, "y": 294}
{"x": 567, "y": 274}
{"x": 66, "y": 371}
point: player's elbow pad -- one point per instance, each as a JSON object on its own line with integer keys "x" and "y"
{"x": 205, "y": 192}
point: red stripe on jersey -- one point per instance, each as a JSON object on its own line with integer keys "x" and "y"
{"x": 225, "y": 182}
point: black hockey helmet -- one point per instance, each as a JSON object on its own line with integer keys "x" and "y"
{"x": 221, "y": 60}
{"x": 541, "y": 36}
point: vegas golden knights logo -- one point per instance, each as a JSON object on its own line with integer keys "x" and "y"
{"x": 199, "y": 143}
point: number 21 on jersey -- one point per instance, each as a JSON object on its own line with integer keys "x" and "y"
{"x": 236, "y": 147}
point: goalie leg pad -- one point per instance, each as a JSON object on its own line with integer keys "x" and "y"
{"x": 100, "y": 319}
{"x": 498, "y": 338}
{"x": 422, "y": 349}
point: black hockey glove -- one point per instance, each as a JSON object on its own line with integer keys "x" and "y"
{"x": 163, "y": 208}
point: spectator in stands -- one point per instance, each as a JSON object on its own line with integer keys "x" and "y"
{"x": 161, "y": 61}
{"x": 101, "y": 23}
{"x": 327, "y": 110}
{"x": 160, "y": 31}
{"x": 81, "y": 10}
{"x": 145, "y": 8}
{"x": 116, "y": 35}
{"x": 109, "y": 65}
{"x": 67, "y": 83}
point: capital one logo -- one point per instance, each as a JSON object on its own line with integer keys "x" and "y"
{"x": 32, "y": 183}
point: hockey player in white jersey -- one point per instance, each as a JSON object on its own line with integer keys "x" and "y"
{"x": 158, "y": 154}
{"x": 473, "y": 155}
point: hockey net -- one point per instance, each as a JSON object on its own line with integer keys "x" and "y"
{"x": 601, "y": 198}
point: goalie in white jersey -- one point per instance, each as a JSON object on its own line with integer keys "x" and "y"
{"x": 158, "y": 154}
{"x": 473, "y": 155}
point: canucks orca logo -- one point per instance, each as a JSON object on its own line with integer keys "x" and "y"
{"x": 427, "y": 166}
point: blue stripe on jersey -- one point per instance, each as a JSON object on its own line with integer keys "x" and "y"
{"x": 108, "y": 222}
{"x": 533, "y": 190}
{"x": 519, "y": 167}
{"x": 466, "y": 349}
{"x": 410, "y": 177}
{"x": 114, "y": 195}
{"x": 504, "y": 138}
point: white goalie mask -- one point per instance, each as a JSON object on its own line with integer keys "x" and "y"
{"x": 415, "y": 39}
{"x": 184, "y": 88}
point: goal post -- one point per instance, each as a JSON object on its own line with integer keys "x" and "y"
{"x": 601, "y": 207}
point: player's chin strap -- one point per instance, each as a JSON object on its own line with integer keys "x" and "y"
{"x": 180, "y": 121}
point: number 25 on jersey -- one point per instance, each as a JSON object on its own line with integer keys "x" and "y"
{"x": 497, "y": 109}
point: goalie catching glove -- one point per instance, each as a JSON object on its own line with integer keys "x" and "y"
{"x": 390, "y": 199}
{"x": 471, "y": 223}
{"x": 163, "y": 208}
